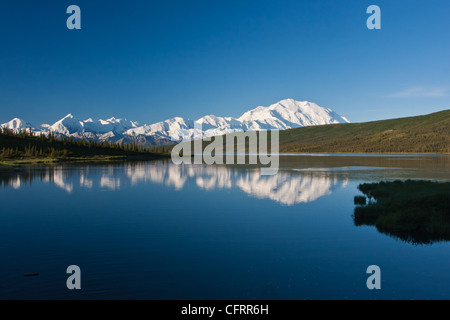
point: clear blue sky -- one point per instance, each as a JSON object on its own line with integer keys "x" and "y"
{"x": 152, "y": 60}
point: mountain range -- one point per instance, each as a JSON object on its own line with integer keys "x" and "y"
{"x": 285, "y": 114}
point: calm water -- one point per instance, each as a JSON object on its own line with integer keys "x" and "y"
{"x": 154, "y": 230}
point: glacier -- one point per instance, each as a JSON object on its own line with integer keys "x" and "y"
{"x": 282, "y": 115}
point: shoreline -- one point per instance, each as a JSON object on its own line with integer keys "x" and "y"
{"x": 11, "y": 164}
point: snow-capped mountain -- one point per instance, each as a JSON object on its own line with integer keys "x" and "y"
{"x": 17, "y": 124}
{"x": 288, "y": 114}
{"x": 282, "y": 115}
{"x": 100, "y": 129}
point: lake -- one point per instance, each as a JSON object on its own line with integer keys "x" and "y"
{"x": 155, "y": 230}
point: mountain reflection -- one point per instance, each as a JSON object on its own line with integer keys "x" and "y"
{"x": 287, "y": 187}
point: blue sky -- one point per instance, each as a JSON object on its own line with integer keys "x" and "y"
{"x": 152, "y": 60}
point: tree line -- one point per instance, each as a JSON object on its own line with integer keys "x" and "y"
{"x": 26, "y": 143}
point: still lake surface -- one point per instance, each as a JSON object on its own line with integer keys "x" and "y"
{"x": 155, "y": 230}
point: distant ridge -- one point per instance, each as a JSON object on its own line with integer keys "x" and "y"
{"x": 282, "y": 115}
{"x": 420, "y": 134}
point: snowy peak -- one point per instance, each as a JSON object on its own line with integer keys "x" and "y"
{"x": 282, "y": 115}
{"x": 211, "y": 121}
{"x": 16, "y": 125}
{"x": 67, "y": 125}
{"x": 69, "y": 116}
{"x": 289, "y": 113}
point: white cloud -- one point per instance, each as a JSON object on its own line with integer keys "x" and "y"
{"x": 421, "y": 92}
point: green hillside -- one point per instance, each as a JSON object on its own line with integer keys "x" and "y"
{"x": 428, "y": 133}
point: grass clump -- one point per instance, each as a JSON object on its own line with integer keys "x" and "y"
{"x": 360, "y": 200}
{"x": 412, "y": 210}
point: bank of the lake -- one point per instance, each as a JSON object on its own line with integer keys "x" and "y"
{"x": 413, "y": 210}
{"x": 24, "y": 148}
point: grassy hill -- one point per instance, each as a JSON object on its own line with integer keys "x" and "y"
{"x": 428, "y": 133}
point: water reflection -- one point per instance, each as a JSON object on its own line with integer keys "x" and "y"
{"x": 301, "y": 179}
{"x": 288, "y": 187}
{"x": 154, "y": 230}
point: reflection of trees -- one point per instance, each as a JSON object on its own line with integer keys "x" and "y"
{"x": 415, "y": 211}
{"x": 286, "y": 187}
{"x": 56, "y": 175}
